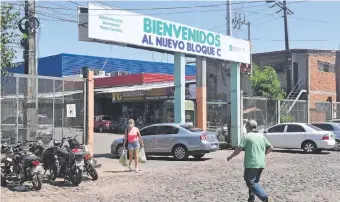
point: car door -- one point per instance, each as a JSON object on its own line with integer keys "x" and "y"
{"x": 165, "y": 139}
{"x": 295, "y": 135}
{"x": 148, "y": 135}
{"x": 275, "y": 135}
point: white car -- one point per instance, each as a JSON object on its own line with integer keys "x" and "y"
{"x": 300, "y": 136}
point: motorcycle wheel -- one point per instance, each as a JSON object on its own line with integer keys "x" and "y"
{"x": 76, "y": 176}
{"x": 3, "y": 180}
{"x": 54, "y": 170}
{"x": 37, "y": 181}
{"x": 91, "y": 170}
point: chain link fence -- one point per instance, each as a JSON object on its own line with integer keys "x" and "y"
{"x": 266, "y": 112}
{"x": 51, "y": 107}
{"x": 298, "y": 112}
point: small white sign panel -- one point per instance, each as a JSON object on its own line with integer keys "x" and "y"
{"x": 71, "y": 110}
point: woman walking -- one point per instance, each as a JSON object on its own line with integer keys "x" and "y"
{"x": 134, "y": 140}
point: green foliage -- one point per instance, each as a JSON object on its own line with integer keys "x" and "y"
{"x": 9, "y": 36}
{"x": 265, "y": 83}
{"x": 286, "y": 118}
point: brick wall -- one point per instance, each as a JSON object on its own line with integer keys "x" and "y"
{"x": 322, "y": 84}
{"x": 321, "y": 81}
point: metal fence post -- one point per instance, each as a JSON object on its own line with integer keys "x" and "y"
{"x": 332, "y": 110}
{"x": 53, "y": 108}
{"x": 17, "y": 106}
{"x": 278, "y": 105}
{"x": 85, "y": 77}
{"x": 62, "y": 110}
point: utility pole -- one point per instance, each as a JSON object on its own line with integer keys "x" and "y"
{"x": 289, "y": 74}
{"x": 286, "y": 11}
{"x": 229, "y": 18}
{"x": 30, "y": 115}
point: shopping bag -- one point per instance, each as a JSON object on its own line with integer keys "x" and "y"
{"x": 123, "y": 158}
{"x": 142, "y": 155}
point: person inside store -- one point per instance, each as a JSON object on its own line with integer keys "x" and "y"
{"x": 135, "y": 141}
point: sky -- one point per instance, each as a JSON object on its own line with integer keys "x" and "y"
{"x": 314, "y": 25}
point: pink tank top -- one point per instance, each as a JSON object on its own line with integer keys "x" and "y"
{"x": 133, "y": 135}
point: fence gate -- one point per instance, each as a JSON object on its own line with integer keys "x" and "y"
{"x": 58, "y": 105}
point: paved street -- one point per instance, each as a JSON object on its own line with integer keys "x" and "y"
{"x": 289, "y": 177}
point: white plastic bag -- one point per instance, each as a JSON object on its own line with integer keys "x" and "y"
{"x": 123, "y": 158}
{"x": 142, "y": 155}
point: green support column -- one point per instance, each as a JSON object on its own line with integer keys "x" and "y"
{"x": 179, "y": 73}
{"x": 235, "y": 106}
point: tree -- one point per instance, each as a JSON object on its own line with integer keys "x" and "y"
{"x": 265, "y": 83}
{"x": 9, "y": 36}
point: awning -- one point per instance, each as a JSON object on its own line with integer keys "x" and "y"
{"x": 139, "y": 87}
{"x": 44, "y": 95}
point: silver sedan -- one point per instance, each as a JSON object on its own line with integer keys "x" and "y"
{"x": 170, "y": 139}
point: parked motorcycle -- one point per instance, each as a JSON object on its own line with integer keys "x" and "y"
{"x": 71, "y": 164}
{"x": 89, "y": 163}
{"x": 20, "y": 165}
{"x": 48, "y": 156}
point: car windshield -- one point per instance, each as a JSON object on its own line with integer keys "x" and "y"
{"x": 107, "y": 118}
{"x": 191, "y": 128}
{"x": 314, "y": 127}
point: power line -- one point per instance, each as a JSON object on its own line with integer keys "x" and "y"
{"x": 260, "y": 23}
{"x": 169, "y": 13}
{"x": 297, "y": 40}
{"x": 74, "y": 3}
{"x": 178, "y": 7}
{"x": 158, "y": 8}
{"x": 190, "y": 11}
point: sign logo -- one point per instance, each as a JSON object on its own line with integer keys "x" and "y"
{"x": 231, "y": 47}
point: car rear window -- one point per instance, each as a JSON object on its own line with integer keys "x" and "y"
{"x": 191, "y": 128}
{"x": 314, "y": 127}
{"x": 326, "y": 127}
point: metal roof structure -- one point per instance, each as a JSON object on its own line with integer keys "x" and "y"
{"x": 141, "y": 87}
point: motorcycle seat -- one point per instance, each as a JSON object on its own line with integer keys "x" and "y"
{"x": 79, "y": 154}
{"x": 30, "y": 158}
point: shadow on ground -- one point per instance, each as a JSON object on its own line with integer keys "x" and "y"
{"x": 298, "y": 152}
{"x": 19, "y": 188}
{"x": 151, "y": 158}
{"x": 118, "y": 171}
{"x": 107, "y": 155}
{"x": 170, "y": 158}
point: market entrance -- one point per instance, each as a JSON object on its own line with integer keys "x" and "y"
{"x": 104, "y": 24}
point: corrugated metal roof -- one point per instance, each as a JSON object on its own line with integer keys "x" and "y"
{"x": 72, "y": 64}
{"x": 146, "y": 86}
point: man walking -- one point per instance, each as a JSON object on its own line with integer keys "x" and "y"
{"x": 256, "y": 147}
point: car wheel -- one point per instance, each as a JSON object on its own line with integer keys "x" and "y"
{"x": 337, "y": 145}
{"x": 101, "y": 129}
{"x": 198, "y": 156}
{"x": 180, "y": 152}
{"x": 119, "y": 151}
{"x": 309, "y": 147}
